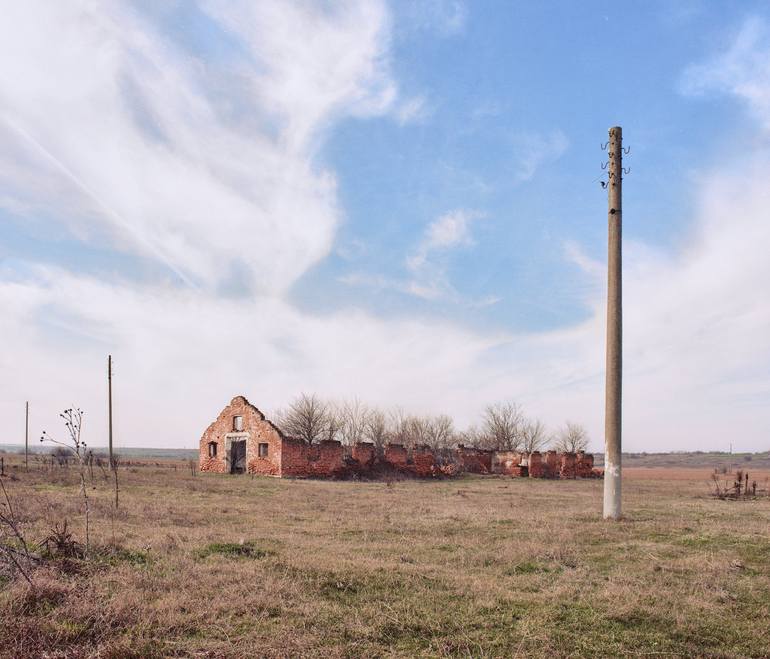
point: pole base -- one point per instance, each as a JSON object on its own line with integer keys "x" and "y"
{"x": 612, "y": 498}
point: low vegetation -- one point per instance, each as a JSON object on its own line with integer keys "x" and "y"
{"x": 209, "y": 565}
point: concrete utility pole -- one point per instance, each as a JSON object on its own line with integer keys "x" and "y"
{"x": 612, "y": 419}
{"x": 26, "y": 436}
{"x": 109, "y": 405}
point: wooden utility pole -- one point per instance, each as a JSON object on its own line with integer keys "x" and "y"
{"x": 109, "y": 406}
{"x": 612, "y": 419}
{"x": 26, "y": 436}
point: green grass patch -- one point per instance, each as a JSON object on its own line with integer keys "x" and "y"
{"x": 115, "y": 555}
{"x": 448, "y": 547}
{"x": 528, "y": 567}
{"x": 234, "y": 550}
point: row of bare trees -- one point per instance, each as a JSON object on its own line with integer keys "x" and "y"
{"x": 503, "y": 426}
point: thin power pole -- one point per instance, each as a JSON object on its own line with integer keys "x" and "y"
{"x": 612, "y": 419}
{"x": 26, "y": 436}
{"x": 109, "y": 405}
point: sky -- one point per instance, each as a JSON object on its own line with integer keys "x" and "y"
{"x": 396, "y": 201}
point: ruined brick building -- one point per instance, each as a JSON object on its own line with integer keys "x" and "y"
{"x": 241, "y": 440}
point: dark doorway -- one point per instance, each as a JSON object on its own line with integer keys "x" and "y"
{"x": 238, "y": 456}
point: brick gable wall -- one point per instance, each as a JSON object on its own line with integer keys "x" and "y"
{"x": 257, "y": 430}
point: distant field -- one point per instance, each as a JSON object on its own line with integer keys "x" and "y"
{"x": 128, "y": 452}
{"x": 235, "y": 566}
{"x": 681, "y": 459}
{"x": 694, "y": 460}
{"x": 702, "y": 475}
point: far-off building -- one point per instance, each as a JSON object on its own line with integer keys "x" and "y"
{"x": 241, "y": 440}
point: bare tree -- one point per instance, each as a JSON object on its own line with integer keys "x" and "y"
{"x": 376, "y": 430}
{"x": 333, "y": 421}
{"x": 73, "y": 421}
{"x": 571, "y": 438}
{"x": 399, "y": 423}
{"x": 441, "y": 432}
{"x": 306, "y": 418}
{"x": 533, "y": 436}
{"x": 410, "y": 429}
{"x": 471, "y": 437}
{"x": 501, "y": 426}
{"x": 418, "y": 430}
{"x": 354, "y": 416}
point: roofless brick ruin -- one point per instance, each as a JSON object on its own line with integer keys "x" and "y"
{"x": 241, "y": 440}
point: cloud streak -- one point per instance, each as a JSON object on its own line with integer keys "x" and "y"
{"x": 532, "y": 151}
{"x": 451, "y": 230}
{"x": 156, "y": 153}
{"x": 427, "y": 263}
{"x": 742, "y": 71}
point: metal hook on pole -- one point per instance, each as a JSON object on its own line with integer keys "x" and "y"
{"x": 626, "y": 170}
{"x": 604, "y": 165}
{"x": 604, "y": 146}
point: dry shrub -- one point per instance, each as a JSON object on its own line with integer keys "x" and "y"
{"x": 59, "y": 543}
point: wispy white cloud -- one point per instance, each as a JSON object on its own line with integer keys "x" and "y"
{"x": 451, "y": 230}
{"x": 426, "y": 264}
{"x": 115, "y": 130}
{"x": 412, "y": 110}
{"x": 447, "y": 18}
{"x": 485, "y": 110}
{"x": 452, "y": 15}
{"x": 531, "y": 151}
{"x": 742, "y": 70}
{"x": 427, "y": 289}
{"x": 575, "y": 253}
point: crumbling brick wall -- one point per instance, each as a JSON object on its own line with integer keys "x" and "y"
{"x": 423, "y": 462}
{"x": 567, "y": 469}
{"x": 323, "y": 459}
{"x": 396, "y": 456}
{"x": 551, "y": 464}
{"x": 474, "y": 460}
{"x": 536, "y": 466}
{"x": 256, "y": 430}
{"x": 584, "y": 467}
{"x": 364, "y": 454}
{"x": 548, "y": 465}
{"x": 507, "y": 462}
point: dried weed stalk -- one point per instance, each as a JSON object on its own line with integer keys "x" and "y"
{"x": 73, "y": 421}
{"x": 17, "y": 557}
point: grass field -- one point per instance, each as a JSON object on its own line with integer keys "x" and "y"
{"x": 221, "y": 566}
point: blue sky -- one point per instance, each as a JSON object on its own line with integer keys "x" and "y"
{"x": 396, "y": 201}
{"x": 497, "y": 93}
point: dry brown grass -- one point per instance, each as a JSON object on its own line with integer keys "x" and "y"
{"x": 238, "y": 566}
{"x": 689, "y": 474}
